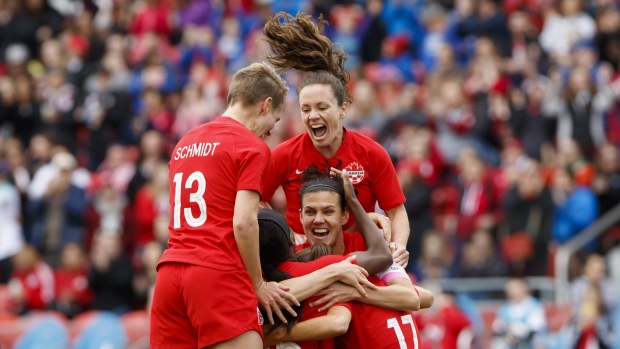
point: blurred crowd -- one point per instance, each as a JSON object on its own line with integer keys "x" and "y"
{"x": 502, "y": 119}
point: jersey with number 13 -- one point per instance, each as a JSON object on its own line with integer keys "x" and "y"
{"x": 207, "y": 168}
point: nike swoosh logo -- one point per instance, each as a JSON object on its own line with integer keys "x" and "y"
{"x": 299, "y": 172}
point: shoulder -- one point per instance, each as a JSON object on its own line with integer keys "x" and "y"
{"x": 366, "y": 144}
{"x": 290, "y": 146}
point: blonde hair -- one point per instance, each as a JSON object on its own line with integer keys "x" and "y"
{"x": 254, "y": 83}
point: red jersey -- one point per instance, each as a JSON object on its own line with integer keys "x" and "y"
{"x": 73, "y": 286}
{"x": 368, "y": 164}
{"x": 353, "y": 242}
{"x": 297, "y": 269}
{"x": 37, "y": 284}
{"x": 209, "y": 165}
{"x": 373, "y": 327}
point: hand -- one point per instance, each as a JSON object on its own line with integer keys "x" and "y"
{"x": 400, "y": 254}
{"x": 272, "y": 296}
{"x": 334, "y": 294}
{"x": 349, "y": 191}
{"x": 354, "y": 275}
{"x": 384, "y": 223}
{"x": 300, "y": 239}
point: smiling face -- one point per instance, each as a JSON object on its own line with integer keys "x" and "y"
{"x": 322, "y": 115}
{"x": 322, "y": 217}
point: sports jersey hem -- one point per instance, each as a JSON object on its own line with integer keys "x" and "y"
{"x": 198, "y": 263}
{"x": 230, "y": 335}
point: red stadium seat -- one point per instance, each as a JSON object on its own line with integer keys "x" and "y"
{"x": 557, "y": 316}
{"x": 11, "y": 328}
{"x": 137, "y": 327}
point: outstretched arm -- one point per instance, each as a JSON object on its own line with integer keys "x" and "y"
{"x": 400, "y": 234}
{"x": 333, "y": 324}
{"x": 306, "y": 286}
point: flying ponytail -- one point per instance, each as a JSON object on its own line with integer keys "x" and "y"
{"x": 299, "y": 43}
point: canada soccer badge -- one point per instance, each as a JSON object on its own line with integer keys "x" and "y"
{"x": 261, "y": 320}
{"x": 355, "y": 172}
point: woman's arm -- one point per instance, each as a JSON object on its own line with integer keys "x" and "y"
{"x": 306, "y": 286}
{"x": 426, "y": 297}
{"x": 333, "y": 324}
{"x": 378, "y": 256}
{"x": 400, "y": 234}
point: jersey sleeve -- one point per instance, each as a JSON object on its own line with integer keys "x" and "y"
{"x": 253, "y": 160}
{"x": 385, "y": 185}
{"x": 277, "y": 172}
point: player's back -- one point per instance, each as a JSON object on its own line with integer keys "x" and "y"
{"x": 207, "y": 168}
{"x": 373, "y": 327}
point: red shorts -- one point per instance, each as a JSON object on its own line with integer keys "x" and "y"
{"x": 195, "y": 307}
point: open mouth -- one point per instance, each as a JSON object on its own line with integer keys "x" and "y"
{"x": 319, "y": 130}
{"x": 320, "y": 234}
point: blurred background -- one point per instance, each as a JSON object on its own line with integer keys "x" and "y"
{"x": 502, "y": 119}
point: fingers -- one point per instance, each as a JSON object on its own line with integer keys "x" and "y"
{"x": 284, "y": 287}
{"x": 290, "y": 298}
{"x": 268, "y": 311}
{"x": 284, "y": 304}
{"x": 360, "y": 289}
{"x": 323, "y": 300}
{"x": 350, "y": 258}
{"x": 364, "y": 271}
{"x": 335, "y": 171}
{"x": 368, "y": 284}
{"x": 280, "y": 315}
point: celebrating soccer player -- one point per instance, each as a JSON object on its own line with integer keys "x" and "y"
{"x": 210, "y": 283}
{"x": 298, "y": 43}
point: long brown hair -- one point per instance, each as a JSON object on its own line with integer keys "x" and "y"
{"x": 313, "y": 253}
{"x": 298, "y": 43}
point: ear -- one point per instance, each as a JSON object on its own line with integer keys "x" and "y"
{"x": 345, "y": 216}
{"x": 266, "y": 105}
{"x": 343, "y": 109}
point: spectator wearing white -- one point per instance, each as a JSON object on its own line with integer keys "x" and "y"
{"x": 521, "y": 323}
{"x": 594, "y": 272}
{"x": 11, "y": 238}
{"x": 565, "y": 27}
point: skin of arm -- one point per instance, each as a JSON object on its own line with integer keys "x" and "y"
{"x": 333, "y": 324}
{"x": 271, "y": 295}
{"x": 400, "y": 234}
{"x": 398, "y": 295}
{"x": 306, "y": 286}
{"x": 426, "y": 297}
{"x": 245, "y": 225}
{"x": 378, "y": 256}
{"x": 400, "y": 224}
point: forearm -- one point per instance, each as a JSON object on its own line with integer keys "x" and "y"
{"x": 378, "y": 256}
{"x": 426, "y": 297}
{"x": 246, "y": 236}
{"x": 393, "y": 297}
{"x": 400, "y": 224}
{"x": 306, "y": 286}
{"x": 333, "y": 324}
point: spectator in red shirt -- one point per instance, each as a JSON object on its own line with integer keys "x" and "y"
{"x": 444, "y": 325}
{"x": 32, "y": 283}
{"x": 72, "y": 293}
{"x": 151, "y": 201}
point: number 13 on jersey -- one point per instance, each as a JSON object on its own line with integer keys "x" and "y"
{"x": 406, "y": 319}
{"x": 197, "y": 197}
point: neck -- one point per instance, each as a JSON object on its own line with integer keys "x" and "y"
{"x": 330, "y": 150}
{"x": 244, "y": 116}
{"x": 338, "y": 247}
